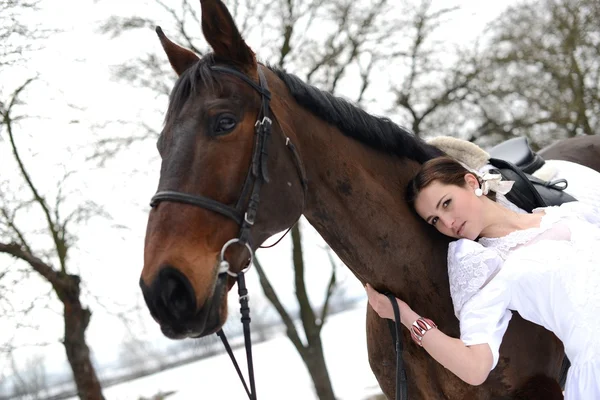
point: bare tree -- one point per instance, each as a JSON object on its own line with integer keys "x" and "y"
{"x": 542, "y": 72}
{"x": 16, "y": 37}
{"x": 338, "y": 46}
{"x": 433, "y": 83}
{"x": 309, "y": 344}
{"x": 25, "y": 243}
{"x": 30, "y": 379}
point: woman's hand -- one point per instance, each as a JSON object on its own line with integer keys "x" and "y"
{"x": 383, "y": 307}
{"x": 472, "y": 364}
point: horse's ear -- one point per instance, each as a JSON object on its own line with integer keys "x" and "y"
{"x": 180, "y": 58}
{"x": 224, "y": 38}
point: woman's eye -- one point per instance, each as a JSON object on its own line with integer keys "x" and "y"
{"x": 225, "y": 124}
{"x": 446, "y": 203}
{"x": 434, "y": 220}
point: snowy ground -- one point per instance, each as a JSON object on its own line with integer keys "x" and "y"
{"x": 279, "y": 371}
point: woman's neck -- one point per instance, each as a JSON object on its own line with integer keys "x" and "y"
{"x": 500, "y": 221}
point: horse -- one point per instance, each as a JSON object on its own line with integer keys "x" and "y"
{"x": 579, "y": 149}
{"x": 343, "y": 169}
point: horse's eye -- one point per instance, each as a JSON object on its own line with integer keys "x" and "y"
{"x": 225, "y": 124}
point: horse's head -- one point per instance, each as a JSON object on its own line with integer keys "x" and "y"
{"x": 217, "y": 150}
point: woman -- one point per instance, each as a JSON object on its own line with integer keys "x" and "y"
{"x": 545, "y": 265}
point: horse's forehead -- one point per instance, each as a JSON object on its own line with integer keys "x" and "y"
{"x": 214, "y": 92}
{"x": 222, "y": 89}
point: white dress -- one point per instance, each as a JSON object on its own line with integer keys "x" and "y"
{"x": 550, "y": 275}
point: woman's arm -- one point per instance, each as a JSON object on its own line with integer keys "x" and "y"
{"x": 472, "y": 364}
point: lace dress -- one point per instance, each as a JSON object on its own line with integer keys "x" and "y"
{"x": 550, "y": 275}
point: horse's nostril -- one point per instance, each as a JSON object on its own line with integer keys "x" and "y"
{"x": 176, "y": 296}
{"x": 174, "y": 299}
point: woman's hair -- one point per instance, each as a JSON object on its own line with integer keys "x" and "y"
{"x": 444, "y": 169}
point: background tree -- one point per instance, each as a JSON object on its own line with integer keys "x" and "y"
{"x": 17, "y": 38}
{"x": 308, "y": 343}
{"x": 541, "y": 72}
{"x": 35, "y": 231}
{"x": 434, "y": 77}
{"x": 32, "y": 380}
{"x": 38, "y": 234}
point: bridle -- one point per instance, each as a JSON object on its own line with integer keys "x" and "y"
{"x": 256, "y": 177}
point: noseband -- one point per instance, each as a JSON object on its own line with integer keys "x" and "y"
{"x": 257, "y": 175}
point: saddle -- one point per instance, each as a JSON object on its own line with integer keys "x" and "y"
{"x": 515, "y": 161}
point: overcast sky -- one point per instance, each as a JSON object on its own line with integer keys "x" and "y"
{"x": 75, "y": 68}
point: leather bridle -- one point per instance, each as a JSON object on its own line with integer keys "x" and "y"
{"x": 256, "y": 177}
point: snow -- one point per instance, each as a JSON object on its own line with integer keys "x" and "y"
{"x": 279, "y": 370}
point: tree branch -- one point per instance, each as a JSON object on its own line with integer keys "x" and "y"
{"x": 181, "y": 27}
{"x": 60, "y": 247}
{"x": 10, "y": 223}
{"x": 38, "y": 265}
{"x": 330, "y": 289}
{"x": 307, "y": 314}
{"x": 272, "y": 296}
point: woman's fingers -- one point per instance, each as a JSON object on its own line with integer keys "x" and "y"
{"x": 380, "y": 303}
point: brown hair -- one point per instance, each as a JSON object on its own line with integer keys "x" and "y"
{"x": 444, "y": 169}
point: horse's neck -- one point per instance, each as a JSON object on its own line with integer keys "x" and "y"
{"x": 356, "y": 202}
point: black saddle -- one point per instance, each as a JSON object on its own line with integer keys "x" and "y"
{"x": 515, "y": 161}
{"x": 517, "y": 151}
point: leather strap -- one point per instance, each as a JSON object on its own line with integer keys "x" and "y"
{"x": 245, "y": 311}
{"x": 200, "y": 201}
{"x": 395, "y": 328}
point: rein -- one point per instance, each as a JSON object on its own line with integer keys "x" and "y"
{"x": 258, "y": 174}
{"x": 395, "y": 329}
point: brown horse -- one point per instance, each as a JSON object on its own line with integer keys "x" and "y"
{"x": 346, "y": 173}
{"x": 582, "y": 150}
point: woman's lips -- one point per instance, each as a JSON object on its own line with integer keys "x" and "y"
{"x": 459, "y": 232}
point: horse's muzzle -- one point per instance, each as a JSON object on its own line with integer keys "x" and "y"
{"x": 172, "y": 303}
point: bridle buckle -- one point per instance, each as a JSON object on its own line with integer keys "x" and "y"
{"x": 249, "y": 221}
{"x": 264, "y": 121}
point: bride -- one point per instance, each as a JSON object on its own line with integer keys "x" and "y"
{"x": 545, "y": 265}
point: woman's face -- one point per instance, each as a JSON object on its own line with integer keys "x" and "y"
{"x": 454, "y": 210}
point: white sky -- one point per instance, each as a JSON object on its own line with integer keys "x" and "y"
{"x": 75, "y": 68}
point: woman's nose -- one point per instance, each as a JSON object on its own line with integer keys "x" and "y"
{"x": 448, "y": 222}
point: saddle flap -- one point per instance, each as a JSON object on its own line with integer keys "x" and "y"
{"x": 517, "y": 151}
{"x": 529, "y": 192}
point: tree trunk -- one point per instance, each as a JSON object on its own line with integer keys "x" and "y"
{"x": 315, "y": 362}
{"x": 77, "y": 319}
{"x": 312, "y": 353}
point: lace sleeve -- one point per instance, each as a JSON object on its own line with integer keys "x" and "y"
{"x": 470, "y": 267}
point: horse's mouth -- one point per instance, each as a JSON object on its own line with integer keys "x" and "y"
{"x": 208, "y": 320}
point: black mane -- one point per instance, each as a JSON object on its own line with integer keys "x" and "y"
{"x": 377, "y": 132}
{"x": 188, "y": 83}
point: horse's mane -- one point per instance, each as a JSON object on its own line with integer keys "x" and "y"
{"x": 188, "y": 83}
{"x": 376, "y": 132}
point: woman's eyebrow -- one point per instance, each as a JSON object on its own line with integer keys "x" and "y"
{"x": 436, "y": 207}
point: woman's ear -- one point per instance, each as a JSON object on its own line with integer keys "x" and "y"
{"x": 471, "y": 181}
